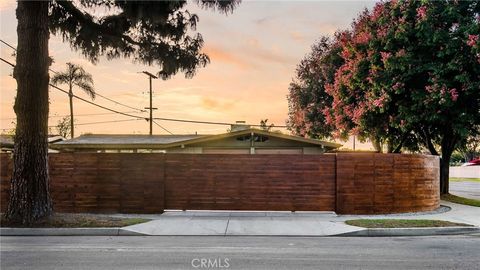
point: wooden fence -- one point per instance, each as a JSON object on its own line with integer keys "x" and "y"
{"x": 354, "y": 183}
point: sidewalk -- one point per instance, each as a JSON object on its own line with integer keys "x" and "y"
{"x": 252, "y": 223}
{"x": 227, "y": 223}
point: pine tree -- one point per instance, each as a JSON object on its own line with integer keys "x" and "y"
{"x": 155, "y": 33}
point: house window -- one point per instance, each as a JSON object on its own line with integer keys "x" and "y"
{"x": 261, "y": 138}
{"x": 244, "y": 138}
{"x": 256, "y": 138}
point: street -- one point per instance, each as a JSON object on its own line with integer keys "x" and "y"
{"x": 465, "y": 189}
{"x": 440, "y": 252}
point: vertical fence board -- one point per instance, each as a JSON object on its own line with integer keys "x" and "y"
{"x": 353, "y": 183}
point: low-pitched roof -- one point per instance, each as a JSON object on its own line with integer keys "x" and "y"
{"x": 259, "y": 132}
{"x": 115, "y": 141}
{"x": 6, "y": 141}
{"x": 104, "y": 141}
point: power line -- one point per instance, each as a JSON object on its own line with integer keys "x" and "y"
{"x": 12, "y": 47}
{"x": 93, "y": 123}
{"x": 116, "y": 102}
{"x": 100, "y": 95}
{"x": 7, "y": 62}
{"x": 95, "y": 104}
{"x": 140, "y": 117}
{"x": 104, "y": 122}
{"x": 67, "y": 115}
{"x": 162, "y": 127}
{"x": 84, "y": 100}
{"x": 207, "y": 122}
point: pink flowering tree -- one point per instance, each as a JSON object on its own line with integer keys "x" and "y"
{"x": 410, "y": 77}
{"x": 307, "y": 97}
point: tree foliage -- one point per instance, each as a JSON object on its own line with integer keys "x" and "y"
{"x": 160, "y": 33}
{"x": 75, "y": 75}
{"x": 265, "y": 126}
{"x": 63, "y": 127}
{"x": 410, "y": 78}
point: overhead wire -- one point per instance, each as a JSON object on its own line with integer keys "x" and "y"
{"x": 136, "y": 116}
{"x": 162, "y": 127}
{"x": 96, "y": 94}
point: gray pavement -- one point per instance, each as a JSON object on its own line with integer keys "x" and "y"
{"x": 224, "y": 223}
{"x": 243, "y": 223}
{"x": 465, "y": 189}
{"x": 445, "y": 252}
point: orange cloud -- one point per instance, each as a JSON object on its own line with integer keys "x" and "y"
{"x": 7, "y": 4}
{"x": 297, "y": 36}
{"x": 213, "y": 104}
{"x": 218, "y": 54}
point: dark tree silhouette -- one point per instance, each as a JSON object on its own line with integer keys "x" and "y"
{"x": 159, "y": 33}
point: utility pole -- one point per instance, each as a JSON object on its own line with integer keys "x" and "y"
{"x": 353, "y": 142}
{"x": 151, "y": 108}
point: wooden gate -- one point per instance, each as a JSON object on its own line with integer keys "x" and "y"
{"x": 250, "y": 182}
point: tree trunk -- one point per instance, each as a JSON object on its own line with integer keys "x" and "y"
{"x": 70, "y": 96}
{"x": 389, "y": 147}
{"x": 376, "y": 144}
{"x": 29, "y": 196}
{"x": 448, "y": 145}
{"x": 444, "y": 174}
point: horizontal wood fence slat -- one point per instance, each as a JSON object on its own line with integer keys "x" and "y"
{"x": 353, "y": 183}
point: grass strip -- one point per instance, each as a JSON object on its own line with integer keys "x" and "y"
{"x": 401, "y": 223}
{"x": 460, "y": 200}
{"x": 63, "y": 220}
{"x": 457, "y": 179}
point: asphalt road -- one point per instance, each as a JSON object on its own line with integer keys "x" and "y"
{"x": 441, "y": 252}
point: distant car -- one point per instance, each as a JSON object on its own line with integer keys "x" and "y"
{"x": 473, "y": 162}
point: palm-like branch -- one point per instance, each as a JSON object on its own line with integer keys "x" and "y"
{"x": 75, "y": 75}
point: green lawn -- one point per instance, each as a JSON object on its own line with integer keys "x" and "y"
{"x": 455, "y": 179}
{"x": 401, "y": 223}
{"x": 61, "y": 220}
{"x": 461, "y": 200}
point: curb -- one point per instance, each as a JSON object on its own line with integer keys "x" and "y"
{"x": 67, "y": 232}
{"x": 430, "y": 231}
{"x": 376, "y": 232}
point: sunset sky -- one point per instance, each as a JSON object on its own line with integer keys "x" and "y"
{"x": 253, "y": 53}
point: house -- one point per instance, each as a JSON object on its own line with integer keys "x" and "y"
{"x": 7, "y": 144}
{"x": 240, "y": 141}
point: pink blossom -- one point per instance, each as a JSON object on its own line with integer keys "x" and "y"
{"x": 355, "y": 131}
{"x": 472, "y": 40}
{"x": 382, "y": 32}
{"x": 454, "y": 94}
{"x": 443, "y": 90}
{"x": 385, "y": 56}
{"x": 346, "y": 53}
{"x": 379, "y": 102}
{"x": 402, "y": 123}
{"x": 377, "y": 11}
{"x": 400, "y": 53}
{"x": 349, "y": 109}
{"x": 397, "y": 86}
{"x": 357, "y": 115}
{"x": 422, "y": 12}
{"x": 362, "y": 38}
{"x": 328, "y": 116}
